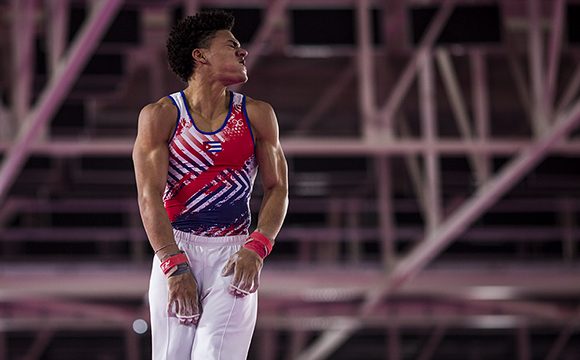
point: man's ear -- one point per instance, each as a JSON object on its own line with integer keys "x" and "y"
{"x": 198, "y": 56}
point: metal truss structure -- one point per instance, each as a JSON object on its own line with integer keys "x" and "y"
{"x": 434, "y": 187}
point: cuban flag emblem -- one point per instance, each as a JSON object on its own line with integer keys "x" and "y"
{"x": 213, "y": 146}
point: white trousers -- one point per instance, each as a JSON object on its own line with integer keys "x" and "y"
{"x": 227, "y": 322}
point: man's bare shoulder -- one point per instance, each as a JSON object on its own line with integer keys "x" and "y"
{"x": 161, "y": 110}
{"x": 262, "y": 118}
{"x": 260, "y": 112}
{"x": 258, "y": 107}
{"x": 157, "y": 120}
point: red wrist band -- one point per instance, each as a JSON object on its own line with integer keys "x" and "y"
{"x": 259, "y": 244}
{"x": 172, "y": 262}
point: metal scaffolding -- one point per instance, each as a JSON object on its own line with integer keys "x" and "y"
{"x": 325, "y": 290}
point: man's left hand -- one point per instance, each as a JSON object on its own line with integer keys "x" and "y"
{"x": 245, "y": 265}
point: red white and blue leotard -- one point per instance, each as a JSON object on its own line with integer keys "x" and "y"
{"x": 211, "y": 174}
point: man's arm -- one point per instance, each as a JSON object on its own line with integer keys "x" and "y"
{"x": 246, "y": 264}
{"x": 273, "y": 171}
{"x": 151, "y": 161}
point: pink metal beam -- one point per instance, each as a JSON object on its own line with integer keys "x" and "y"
{"x": 318, "y": 146}
{"x": 385, "y": 208}
{"x": 463, "y": 313}
{"x": 432, "y": 178}
{"x": 395, "y": 26}
{"x": 437, "y": 240}
{"x": 555, "y": 50}
{"x": 414, "y": 169}
{"x": 23, "y": 27}
{"x": 458, "y": 105}
{"x": 82, "y": 309}
{"x": 57, "y": 32}
{"x": 571, "y": 90}
{"x": 387, "y": 112}
{"x": 366, "y": 67}
{"x": 58, "y": 87}
{"x": 536, "y": 59}
{"x": 481, "y": 107}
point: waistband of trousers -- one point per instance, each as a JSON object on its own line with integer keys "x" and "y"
{"x": 182, "y": 237}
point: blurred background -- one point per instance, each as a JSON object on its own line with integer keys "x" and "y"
{"x": 434, "y": 176}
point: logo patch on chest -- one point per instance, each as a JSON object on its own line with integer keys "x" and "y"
{"x": 213, "y": 146}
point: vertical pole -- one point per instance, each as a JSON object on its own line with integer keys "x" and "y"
{"x": 536, "y": 59}
{"x": 330, "y": 247}
{"x": 385, "y": 207}
{"x": 23, "y": 27}
{"x": 366, "y": 73}
{"x": 353, "y": 223}
{"x": 298, "y": 339}
{"x": 555, "y": 52}
{"x": 393, "y": 343}
{"x": 395, "y": 26}
{"x": 57, "y": 32}
{"x": 458, "y": 105}
{"x": 3, "y": 346}
{"x": 268, "y": 343}
{"x": 481, "y": 108}
{"x": 131, "y": 345}
{"x": 432, "y": 182}
{"x": 568, "y": 222}
{"x": 523, "y": 343}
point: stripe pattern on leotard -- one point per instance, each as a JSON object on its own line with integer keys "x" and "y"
{"x": 211, "y": 174}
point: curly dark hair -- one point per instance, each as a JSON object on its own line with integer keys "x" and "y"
{"x": 194, "y": 32}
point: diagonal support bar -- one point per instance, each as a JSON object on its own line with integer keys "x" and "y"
{"x": 437, "y": 240}
{"x": 23, "y": 27}
{"x": 481, "y": 109}
{"x": 326, "y": 100}
{"x": 432, "y": 344}
{"x": 571, "y": 90}
{"x": 58, "y": 87}
{"x": 387, "y": 112}
{"x": 458, "y": 105}
{"x": 365, "y": 65}
{"x": 271, "y": 19}
{"x": 38, "y": 347}
{"x": 536, "y": 59}
{"x": 563, "y": 338}
{"x": 555, "y": 51}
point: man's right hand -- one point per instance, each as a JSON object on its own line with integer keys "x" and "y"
{"x": 183, "y": 300}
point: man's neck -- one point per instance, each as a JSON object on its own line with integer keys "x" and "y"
{"x": 207, "y": 99}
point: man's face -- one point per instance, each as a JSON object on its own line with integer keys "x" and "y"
{"x": 226, "y": 59}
